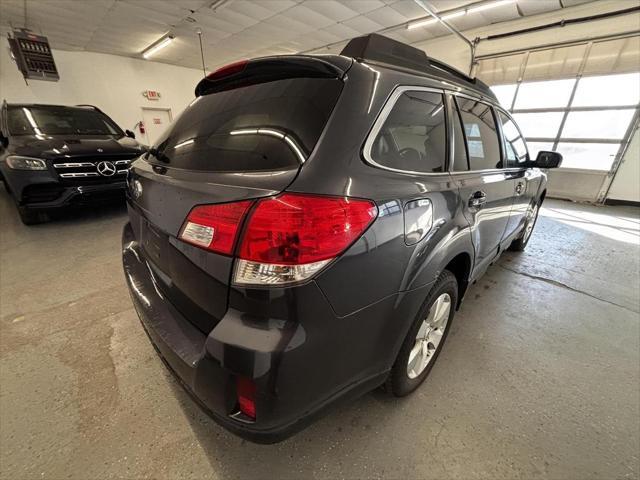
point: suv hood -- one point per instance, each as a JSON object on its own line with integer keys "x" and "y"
{"x": 56, "y": 146}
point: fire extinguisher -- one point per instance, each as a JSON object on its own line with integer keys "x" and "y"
{"x": 141, "y": 126}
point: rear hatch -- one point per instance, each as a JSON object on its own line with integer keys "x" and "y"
{"x": 245, "y": 137}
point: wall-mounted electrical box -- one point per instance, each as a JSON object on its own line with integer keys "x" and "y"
{"x": 33, "y": 56}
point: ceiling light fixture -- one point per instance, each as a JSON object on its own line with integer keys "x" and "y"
{"x": 219, "y": 4}
{"x": 488, "y": 6}
{"x": 157, "y": 46}
{"x": 459, "y": 13}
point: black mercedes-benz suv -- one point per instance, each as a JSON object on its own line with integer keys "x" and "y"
{"x": 53, "y": 156}
{"x": 309, "y": 225}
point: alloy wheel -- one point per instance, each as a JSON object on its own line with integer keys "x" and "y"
{"x": 429, "y": 336}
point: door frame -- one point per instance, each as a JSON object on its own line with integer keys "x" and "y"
{"x": 157, "y": 109}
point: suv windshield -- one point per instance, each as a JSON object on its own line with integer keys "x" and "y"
{"x": 267, "y": 126}
{"x": 58, "y": 120}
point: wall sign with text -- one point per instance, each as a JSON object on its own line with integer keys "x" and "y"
{"x": 151, "y": 94}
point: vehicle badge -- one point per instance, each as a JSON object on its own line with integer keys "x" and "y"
{"x": 106, "y": 169}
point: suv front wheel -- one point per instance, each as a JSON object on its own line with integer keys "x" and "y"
{"x": 426, "y": 337}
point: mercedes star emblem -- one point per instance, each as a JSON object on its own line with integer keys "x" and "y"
{"x": 106, "y": 169}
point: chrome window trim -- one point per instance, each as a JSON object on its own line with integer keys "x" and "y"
{"x": 494, "y": 107}
{"x": 504, "y": 139}
{"x": 491, "y": 170}
{"x": 382, "y": 117}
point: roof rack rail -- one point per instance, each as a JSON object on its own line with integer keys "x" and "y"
{"x": 375, "y": 47}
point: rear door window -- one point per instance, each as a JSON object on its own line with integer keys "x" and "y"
{"x": 413, "y": 136}
{"x": 260, "y": 127}
{"x": 481, "y": 134}
{"x": 515, "y": 148}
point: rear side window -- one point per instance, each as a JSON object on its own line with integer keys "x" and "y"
{"x": 413, "y": 136}
{"x": 515, "y": 148}
{"x": 481, "y": 134}
{"x": 266, "y": 126}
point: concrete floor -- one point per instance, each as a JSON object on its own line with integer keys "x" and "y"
{"x": 539, "y": 378}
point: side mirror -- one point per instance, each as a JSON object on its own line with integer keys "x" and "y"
{"x": 129, "y": 134}
{"x": 548, "y": 159}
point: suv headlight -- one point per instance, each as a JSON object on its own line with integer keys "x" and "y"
{"x": 16, "y": 162}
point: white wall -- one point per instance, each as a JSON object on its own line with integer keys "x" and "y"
{"x": 112, "y": 83}
{"x": 626, "y": 184}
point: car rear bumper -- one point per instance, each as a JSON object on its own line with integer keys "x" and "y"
{"x": 301, "y": 360}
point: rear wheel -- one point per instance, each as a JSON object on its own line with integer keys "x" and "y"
{"x": 519, "y": 244}
{"x": 426, "y": 337}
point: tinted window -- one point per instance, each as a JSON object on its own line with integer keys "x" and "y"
{"x": 413, "y": 136}
{"x": 481, "y": 134}
{"x": 514, "y": 145}
{"x": 265, "y": 126}
{"x": 460, "y": 161}
{"x": 55, "y": 120}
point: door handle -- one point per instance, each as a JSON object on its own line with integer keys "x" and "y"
{"x": 478, "y": 199}
{"x": 519, "y": 188}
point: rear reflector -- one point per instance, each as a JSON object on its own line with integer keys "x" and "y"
{"x": 214, "y": 227}
{"x": 291, "y": 237}
{"x": 246, "y": 392}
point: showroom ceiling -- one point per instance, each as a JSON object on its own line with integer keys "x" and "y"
{"x": 236, "y": 29}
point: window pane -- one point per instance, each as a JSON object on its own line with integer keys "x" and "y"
{"x": 535, "y": 147}
{"x": 482, "y": 138}
{"x": 554, "y": 93}
{"x": 608, "y": 90}
{"x": 460, "y": 162}
{"x": 58, "y": 120}
{"x": 602, "y": 124}
{"x": 539, "y": 125}
{"x": 226, "y": 126}
{"x": 413, "y": 135}
{"x": 591, "y": 156}
{"x": 505, "y": 94}
{"x": 515, "y": 147}
{"x": 554, "y": 63}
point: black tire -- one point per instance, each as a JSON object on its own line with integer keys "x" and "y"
{"x": 399, "y": 382}
{"x": 520, "y": 243}
{"x": 30, "y": 217}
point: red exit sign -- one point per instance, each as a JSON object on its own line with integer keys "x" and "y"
{"x": 151, "y": 94}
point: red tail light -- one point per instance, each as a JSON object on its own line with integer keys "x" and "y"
{"x": 214, "y": 227}
{"x": 290, "y": 237}
{"x": 246, "y": 392}
{"x": 286, "y": 239}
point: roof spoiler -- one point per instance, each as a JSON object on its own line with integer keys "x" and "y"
{"x": 378, "y": 48}
{"x": 268, "y": 69}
